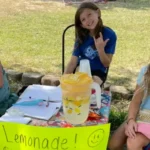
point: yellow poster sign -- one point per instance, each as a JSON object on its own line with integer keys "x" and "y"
{"x": 24, "y": 137}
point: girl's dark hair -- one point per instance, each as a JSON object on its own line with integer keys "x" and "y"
{"x": 80, "y": 32}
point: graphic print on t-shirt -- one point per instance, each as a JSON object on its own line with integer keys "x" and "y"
{"x": 90, "y": 52}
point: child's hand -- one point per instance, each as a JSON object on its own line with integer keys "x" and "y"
{"x": 100, "y": 43}
{"x": 131, "y": 129}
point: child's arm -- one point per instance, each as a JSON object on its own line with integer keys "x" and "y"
{"x": 71, "y": 65}
{"x": 135, "y": 103}
{"x": 134, "y": 107}
{"x": 105, "y": 58}
{"x": 100, "y": 45}
{"x": 1, "y": 76}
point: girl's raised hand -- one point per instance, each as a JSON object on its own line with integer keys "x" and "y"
{"x": 99, "y": 42}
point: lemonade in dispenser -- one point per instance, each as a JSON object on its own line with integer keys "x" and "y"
{"x": 76, "y": 93}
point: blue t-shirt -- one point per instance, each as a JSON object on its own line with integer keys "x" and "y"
{"x": 145, "y": 102}
{"x": 86, "y": 50}
{"x": 4, "y": 91}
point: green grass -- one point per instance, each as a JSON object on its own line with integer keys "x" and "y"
{"x": 31, "y": 36}
{"x": 116, "y": 119}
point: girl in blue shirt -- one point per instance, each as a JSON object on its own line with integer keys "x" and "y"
{"x": 94, "y": 41}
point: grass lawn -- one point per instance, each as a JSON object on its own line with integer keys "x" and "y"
{"x": 31, "y": 36}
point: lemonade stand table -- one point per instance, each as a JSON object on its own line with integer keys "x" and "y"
{"x": 96, "y": 116}
{"x": 57, "y": 134}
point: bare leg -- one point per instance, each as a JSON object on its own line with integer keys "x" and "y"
{"x": 138, "y": 142}
{"x": 118, "y": 139}
{"x": 97, "y": 80}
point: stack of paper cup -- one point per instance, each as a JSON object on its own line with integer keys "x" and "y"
{"x": 85, "y": 67}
